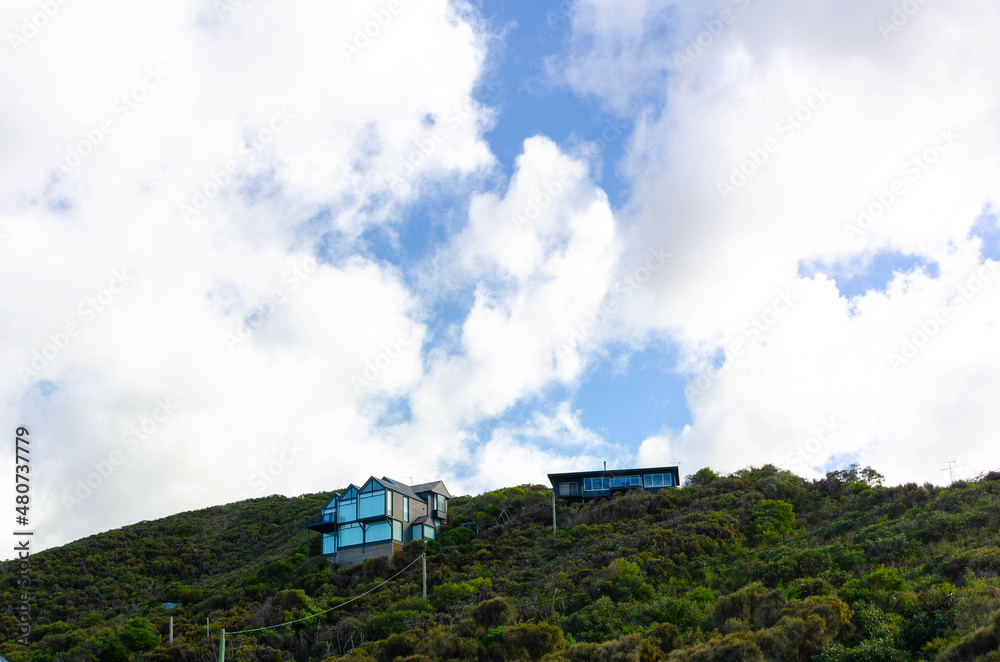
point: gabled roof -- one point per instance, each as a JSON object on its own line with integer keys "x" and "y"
{"x": 402, "y": 488}
{"x": 437, "y": 487}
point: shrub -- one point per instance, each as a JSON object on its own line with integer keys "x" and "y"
{"x": 530, "y": 642}
{"x": 494, "y": 613}
{"x": 139, "y": 636}
{"x": 107, "y": 647}
{"x": 773, "y": 520}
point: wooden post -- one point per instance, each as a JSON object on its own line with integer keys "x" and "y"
{"x": 222, "y": 645}
{"x": 171, "y": 630}
{"x": 423, "y": 560}
{"x": 208, "y": 628}
{"x": 553, "y": 511}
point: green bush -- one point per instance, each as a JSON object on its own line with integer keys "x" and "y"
{"x": 138, "y": 635}
{"x": 494, "y": 613}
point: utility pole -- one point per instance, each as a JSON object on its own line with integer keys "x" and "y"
{"x": 553, "y": 511}
{"x": 423, "y": 562}
{"x": 222, "y": 645}
{"x": 171, "y": 630}
{"x": 950, "y": 470}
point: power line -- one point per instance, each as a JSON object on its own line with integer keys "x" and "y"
{"x": 342, "y": 604}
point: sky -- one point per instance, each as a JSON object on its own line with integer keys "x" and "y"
{"x": 253, "y": 248}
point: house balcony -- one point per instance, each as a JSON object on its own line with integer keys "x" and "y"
{"x": 321, "y": 523}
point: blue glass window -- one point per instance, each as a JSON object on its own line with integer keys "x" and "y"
{"x": 348, "y": 511}
{"x": 350, "y": 534}
{"x": 329, "y": 543}
{"x": 378, "y": 531}
{"x": 658, "y": 480}
{"x": 626, "y": 481}
{"x": 372, "y": 501}
{"x": 596, "y": 484}
{"x": 406, "y": 509}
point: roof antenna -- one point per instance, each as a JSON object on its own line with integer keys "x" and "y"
{"x": 605, "y": 465}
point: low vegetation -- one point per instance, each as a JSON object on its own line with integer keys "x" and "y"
{"x": 757, "y": 565}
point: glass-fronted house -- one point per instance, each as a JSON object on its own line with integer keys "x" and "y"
{"x": 379, "y": 517}
{"x": 585, "y": 484}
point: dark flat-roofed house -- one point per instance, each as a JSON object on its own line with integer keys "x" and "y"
{"x": 602, "y": 483}
{"x": 379, "y": 517}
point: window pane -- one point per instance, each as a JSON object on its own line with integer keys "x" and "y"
{"x": 406, "y": 509}
{"x": 388, "y": 502}
{"x": 397, "y": 531}
{"x": 377, "y": 531}
{"x": 348, "y": 511}
{"x": 371, "y": 505}
{"x": 350, "y": 534}
{"x": 429, "y": 532}
{"x": 329, "y": 543}
{"x": 668, "y": 480}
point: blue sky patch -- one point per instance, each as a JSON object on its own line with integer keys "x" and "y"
{"x": 864, "y": 274}
{"x": 987, "y": 230}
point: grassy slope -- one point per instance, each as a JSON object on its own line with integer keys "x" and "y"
{"x": 915, "y": 569}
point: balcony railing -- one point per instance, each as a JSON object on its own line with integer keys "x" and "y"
{"x": 322, "y": 523}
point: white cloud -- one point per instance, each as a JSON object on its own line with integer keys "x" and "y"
{"x": 548, "y": 443}
{"x": 256, "y": 119}
{"x": 824, "y": 115}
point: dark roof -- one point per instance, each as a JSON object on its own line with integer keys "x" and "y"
{"x": 436, "y": 486}
{"x": 577, "y": 475}
{"x": 423, "y": 519}
{"x": 402, "y": 488}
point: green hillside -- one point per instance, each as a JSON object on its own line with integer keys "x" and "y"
{"x": 757, "y": 565}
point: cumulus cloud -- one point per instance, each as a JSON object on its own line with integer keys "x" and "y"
{"x": 165, "y": 223}
{"x": 772, "y": 142}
